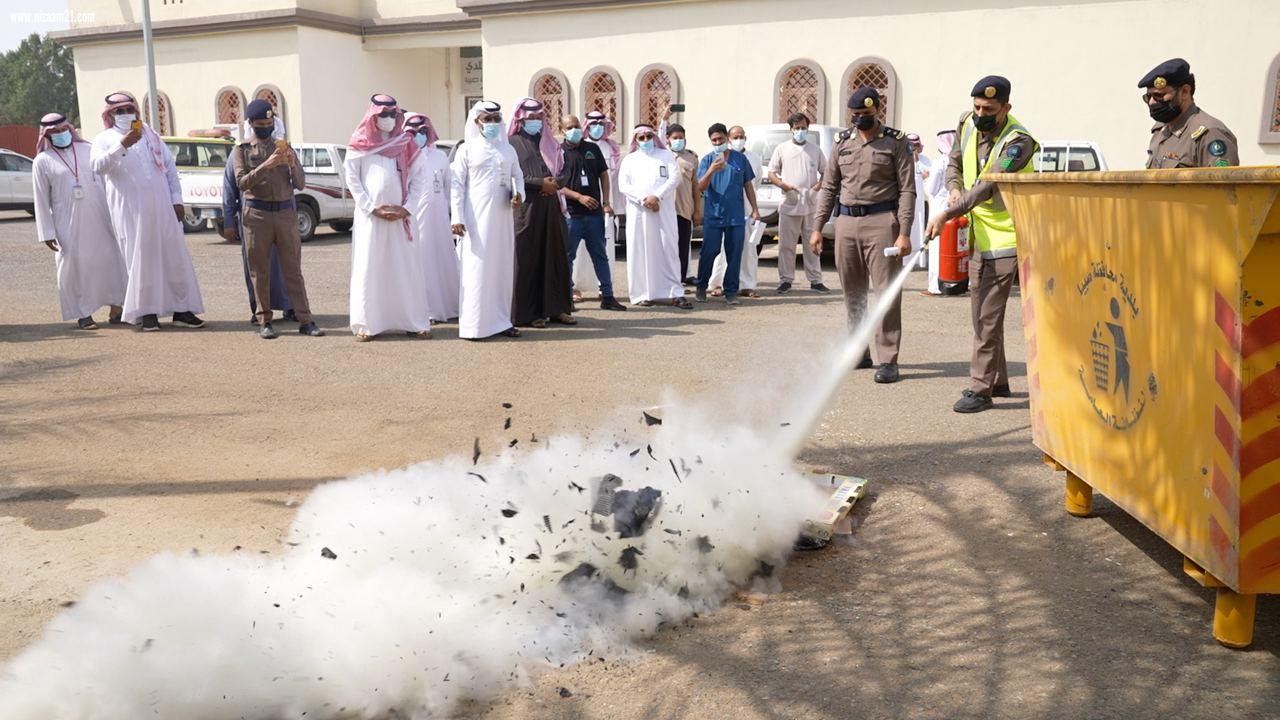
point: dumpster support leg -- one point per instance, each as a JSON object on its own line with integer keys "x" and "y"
{"x": 1079, "y": 496}
{"x": 1233, "y": 618}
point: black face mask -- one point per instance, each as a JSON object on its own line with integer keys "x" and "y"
{"x": 1163, "y": 112}
{"x": 864, "y": 122}
{"x": 262, "y": 132}
{"x": 984, "y": 123}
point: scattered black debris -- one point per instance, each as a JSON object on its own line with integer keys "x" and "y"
{"x": 513, "y": 442}
{"x": 704, "y": 544}
{"x": 328, "y": 554}
{"x": 146, "y": 644}
{"x": 786, "y": 424}
{"x": 506, "y": 406}
{"x": 509, "y": 512}
{"x": 546, "y": 520}
{"x": 475, "y": 452}
{"x": 633, "y": 512}
{"x": 635, "y": 452}
{"x": 584, "y": 572}
{"x": 478, "y": 475}
{"x": 532, "y": 556}
{"x": 649, "y": 449}
{"x": 650, "y": 420}
{"x": 683, "y": 592}
{"x": 236, "y": 549}
{"x": 67, "y": 604}
{"x": 765, "y": 570}
{"x": 564, "y": 692}
{"x": 674, "y": 471}
{"x": 533, "y": 438}
{"x": 672, "y": 531}
{"x": 507, "y": 425}
{"x": 609, "y": 485}
{"x": 576, "y": 486}
{"x": 628, "y": 558}
{"x": 805, "y": 543}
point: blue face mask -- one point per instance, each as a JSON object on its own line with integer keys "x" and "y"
{"x": 61, "y": 139}
{"x": 573, "y": 135}
{"x": 678, "y": 145}
{"x": 646, "y": 145}
{"x": 420, "y": 139}
{"x": 533, "y": 127}
{"x": 800, "y": 135}
{"x": 491, "y": 130}
{"x": 717, "y": 149}
{"x": 596, "y": 131}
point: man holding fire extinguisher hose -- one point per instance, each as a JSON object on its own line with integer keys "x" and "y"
{"x": 990, "y": 140}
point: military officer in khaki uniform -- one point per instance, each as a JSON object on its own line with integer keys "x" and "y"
{"x": 870, "y": 180}
{"x": 1184, "y": 135}
{"x": 267, "y": 175}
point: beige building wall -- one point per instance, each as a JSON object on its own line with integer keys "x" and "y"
{"x": 339, "y": 75}
{"x": 190, "y": 71}
{"x": 96, "y": 13}
{"x": 1074, "y": 66}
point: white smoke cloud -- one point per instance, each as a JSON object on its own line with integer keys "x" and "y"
{"x": 436, "y": 595}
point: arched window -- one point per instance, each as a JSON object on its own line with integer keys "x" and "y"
{"x": 164, "y": 112}
{"x": 228, "y": 106}
{"x": 1271, "y": 105}
{"x": 602, "y": 90}
{"x": 656, "y": 87}
{"x": 802, "y": 88}
{"x": 271, "y": 94}
{"x": 551, "y": 88}
{"x": 877, "y": 73}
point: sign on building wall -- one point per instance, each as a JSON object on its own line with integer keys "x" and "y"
{"x": 472, "y": 71}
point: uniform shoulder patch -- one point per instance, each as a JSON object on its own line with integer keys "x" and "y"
{"x": 1217, "y": 148}
{"x": 844, "y": 135}
{"x": 1220, "y": 162}
{"x": 1199, "y": 131}
{"x": 1013, "y": 151}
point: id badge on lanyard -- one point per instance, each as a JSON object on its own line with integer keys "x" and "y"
{"x": 77, "y": 192}
{"x": 662, "y": 171}
{"x": 436, "y": 186}
{"x": 583, "y": 176}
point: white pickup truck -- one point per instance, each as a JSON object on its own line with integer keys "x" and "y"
{"x": 324, "y": 199}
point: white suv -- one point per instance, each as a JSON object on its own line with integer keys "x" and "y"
{"x": 16, "y": 190}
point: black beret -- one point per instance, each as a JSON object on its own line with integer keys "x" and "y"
{"x": 865, "y": 97}
{"x": 992, "y": 87}
{"x": 259, "y": 110}
{"x": 1170, "y": 72}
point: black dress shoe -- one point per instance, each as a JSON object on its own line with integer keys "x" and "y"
{"x": 87, "y": 323}
{"x": 819, "y": 288}
{"x": 865, "y": 363}
{"x": 888, "y": 373}
{"x": 310, "y": 329}
{"x": 609, "y": 302}
{"x": 267, "y": 332}
{"x": 290, "y": 316}
{"x": 784, "y": 288}
{"x": 700, "y": 295}
{"x": 187, "y": 319}
{"x": 150, "y": 323}
{"x": 1001, "y": 391}
{"x": 972, "y": 402}
{"x": 254, "y": 320}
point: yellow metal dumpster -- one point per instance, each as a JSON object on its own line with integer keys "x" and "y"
{"x": 1151, "y": 306}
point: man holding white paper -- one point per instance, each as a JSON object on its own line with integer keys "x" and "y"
{"x": 796, "y": 169}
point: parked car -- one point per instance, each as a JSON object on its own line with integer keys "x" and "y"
{"x": 326, "y": 197}
{"x": 16, "y": 192}
{"x": 1069, "y": 156}
{"x": 764, "y": 139}
{"x": 200, "y": 162}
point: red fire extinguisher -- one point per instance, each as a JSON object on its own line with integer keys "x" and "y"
{"x": 953, "y": 257}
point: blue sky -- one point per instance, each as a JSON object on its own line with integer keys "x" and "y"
{"x": 20, "y": 18}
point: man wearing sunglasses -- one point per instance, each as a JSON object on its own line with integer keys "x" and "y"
{"x": 1184, "y": 135}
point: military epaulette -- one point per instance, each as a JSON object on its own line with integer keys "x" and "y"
{"x": 893, "y": 132}
{"x": 1199, "y": 131}
{"x": 844, "y": 135}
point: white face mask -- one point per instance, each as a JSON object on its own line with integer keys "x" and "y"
{"x": 386, "y": 124}
{"x": 124, "y": 121}
{"x": 738, "y": 144}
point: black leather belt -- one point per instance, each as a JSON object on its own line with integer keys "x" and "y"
{"x": 864, "y": 210}
{"x": 266, "y": 206}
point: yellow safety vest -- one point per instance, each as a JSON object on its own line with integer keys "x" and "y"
{"x": 992, "y": 224}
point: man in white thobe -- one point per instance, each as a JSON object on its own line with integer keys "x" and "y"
{"x": 146, "y": 213}
{"x": 429, "y": 181}
{"x": 386, "y": 267}
{"x": 648, "y": 178}
{"x": 922, "y": 167}
{"x": 754, "y": 230}
{"x": 73, "y": 220}
{"x": 487, "y": 185}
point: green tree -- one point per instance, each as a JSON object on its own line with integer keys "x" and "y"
{"x": 38, "y": 77}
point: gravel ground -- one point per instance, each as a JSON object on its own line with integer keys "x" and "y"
{"x": 966, "y": 590}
